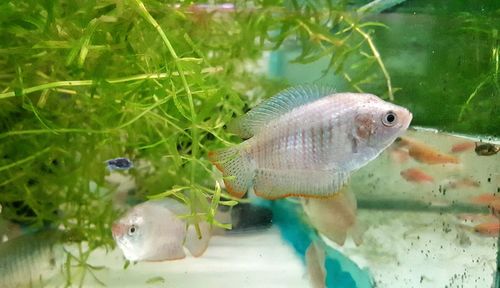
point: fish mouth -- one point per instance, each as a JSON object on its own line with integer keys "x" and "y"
{"x": 406, "y": 117}
{"x": 117, "y": 230}
{"x": 410, "y": 117}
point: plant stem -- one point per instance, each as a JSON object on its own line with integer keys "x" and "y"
{"x": 27, "y": 159}
{"x": 78, "y": 83}
{"x": 194, "y": 131}
{"x": 472, "y": 96}
{"x": 379, "y": 61}
{"x": 45, "y": 131}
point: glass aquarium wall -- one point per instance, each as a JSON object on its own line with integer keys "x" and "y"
{"x": 113, "y": 115}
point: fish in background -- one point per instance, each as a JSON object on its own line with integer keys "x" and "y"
{"x": 462, "y": 147}
{"x": 461, "y": 183}
{"x": 416, "y": 175}
{"x": 426, "y": 154}
{"x": 306, "y": 140}
{"x": 153, "y": 231}
{"x": 335, "y": 217}
{"x": 119, "y": 164}
{"x": 31, "y": 259}
{"x": 327, "y": 267}
{"x": 491, "y": 228}
{"x": 487, "y": 225}
{"x": 490, "y": 223}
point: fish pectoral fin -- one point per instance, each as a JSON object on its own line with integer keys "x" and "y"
{"x": 193, "y": 243}
{"x": 274, "y": 184}
{"x": 284, "y": 102}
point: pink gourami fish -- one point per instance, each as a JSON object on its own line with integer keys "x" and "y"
{"x": 153, "y": 231}
{"x": 306, "y": 141}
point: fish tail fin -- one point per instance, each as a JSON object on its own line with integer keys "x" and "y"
{"x": 195, "y": 244}
{"x": 237, "y": 169}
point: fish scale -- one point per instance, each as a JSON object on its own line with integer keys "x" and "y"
{"x": 300, "y": 155}
{"x": 306, "y": 153}
{"x": 27, "y": 258}
{"x": 306, "y": 141}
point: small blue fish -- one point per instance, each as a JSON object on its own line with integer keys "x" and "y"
{"x": 119, "y": 164}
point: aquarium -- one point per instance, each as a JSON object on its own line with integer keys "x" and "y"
{"x": 148, "y": 143}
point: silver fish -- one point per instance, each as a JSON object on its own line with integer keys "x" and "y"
{"x": 24, "y": 260}
{"x": 153, "y": 231}
{"x": 306, "y": 141}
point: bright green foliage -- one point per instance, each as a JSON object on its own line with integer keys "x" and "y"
{"x": 85, "y": 81}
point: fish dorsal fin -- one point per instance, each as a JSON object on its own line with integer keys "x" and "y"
{"x": 274, "y": 107}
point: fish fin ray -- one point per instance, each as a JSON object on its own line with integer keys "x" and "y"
{"x": 274, "y": 184}
{"x": 315, "y": 259}
{"x": 274, "y": 107}
{"x": 237, "y": 169}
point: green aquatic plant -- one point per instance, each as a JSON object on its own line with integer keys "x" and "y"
{"x": 488, "y": 87}
{"x": 87, "y": 81}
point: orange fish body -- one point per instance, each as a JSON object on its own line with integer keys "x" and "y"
{"x": 416, "y": 175}
{"x": 490, "y": 200}
{"x": 484, "y": 199}
{"x": 488, "y": 229}
{"x": 463, "y": 146}
{"x": 426, "y": 154}
{"x": 495, "y": 207}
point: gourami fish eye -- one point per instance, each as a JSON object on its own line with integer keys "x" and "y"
{"x": 389, "y": 119}
{"x": 131, "y": 230}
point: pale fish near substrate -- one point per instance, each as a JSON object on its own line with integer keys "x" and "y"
{"x": 30, "y": 260}
{"x": 306, "y": 141}
{"x": 153, "y": 231}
